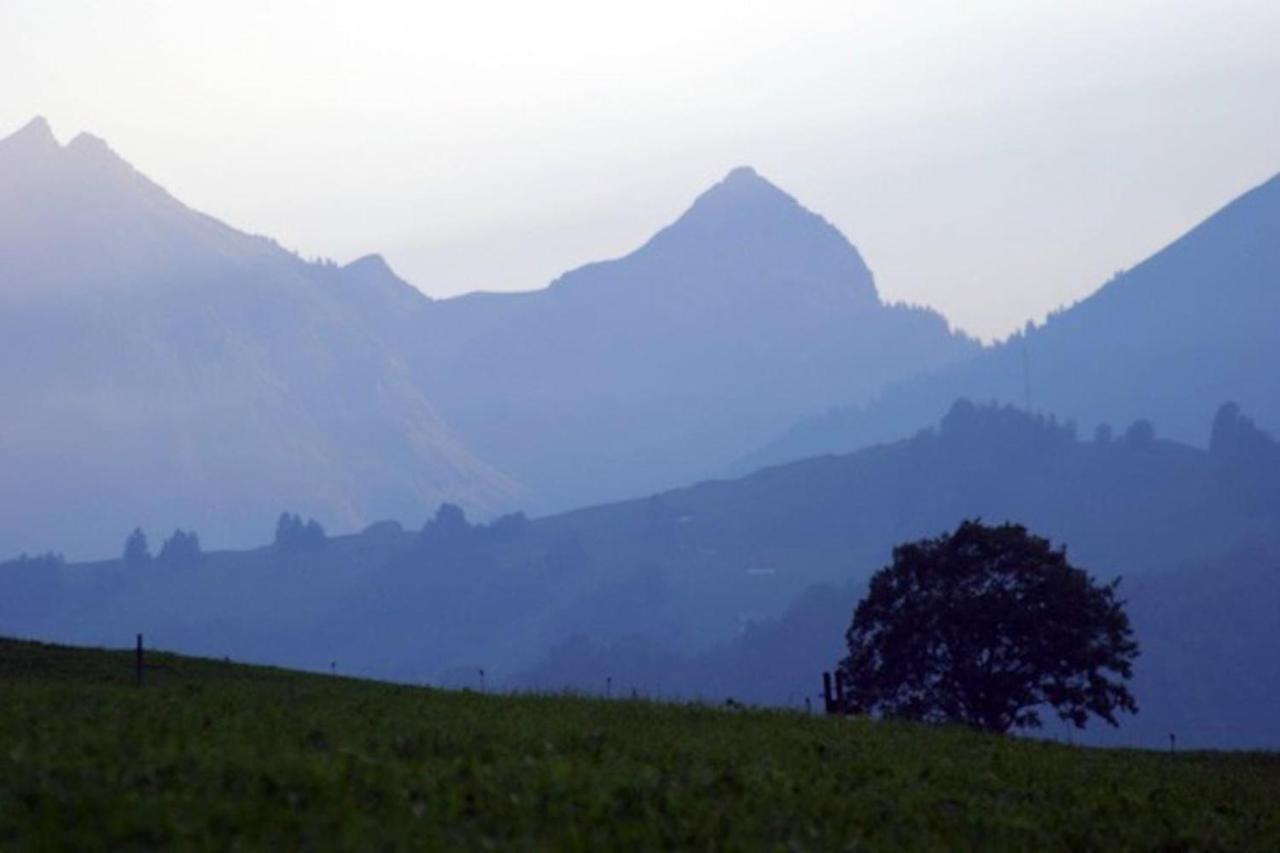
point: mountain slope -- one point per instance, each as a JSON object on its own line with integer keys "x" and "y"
{"x": 1193, "y": 533}
{"x": 686, "y": 570}
{"x": 161, "y": 368}
{"x": 1189, "y": 327}
{"x": 646, "y": 371}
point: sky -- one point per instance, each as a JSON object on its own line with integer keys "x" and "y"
{"x": 994, "y": 160}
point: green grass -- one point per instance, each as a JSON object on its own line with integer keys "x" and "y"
{"x": 214, "y": 755}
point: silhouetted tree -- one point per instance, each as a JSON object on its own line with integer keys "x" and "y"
{"x": 447, "y": 529}
{"x": 180, "y": 549}
{"x": 1141, "y": 433}
{"x": 1102, "y": 435}
{"x": 292, "y": 536}
{"x": 1235, "y": 436}
{"x": 970, "y": 428}
{"x": 450, "y": 517}
{"x": 288, "y": 526}
{"x": 983, "y": 627}
{"x": 137, "y": 553}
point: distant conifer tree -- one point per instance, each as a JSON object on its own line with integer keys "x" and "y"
{"x": 137, "y": 552}
{"x": 293, "y": 536}
{"x": 1141, "y": 433}
{"x": 182, "y": 549}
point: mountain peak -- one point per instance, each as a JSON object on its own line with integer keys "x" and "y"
{"x": 94, "y": 152}
{"x": 371, "y": 264}
{"x": 39, "y": 128}
{"x": 85, "y": 141}
{"x": 769, "y": 235}
{"x": 744, "y": 185}
{"x": 742, "y": 173}
{"x": 34, "y": 136}
{"x": 738, "y": 204}
{"x": 373, "y": 271}
{"x": 34, "y": 157}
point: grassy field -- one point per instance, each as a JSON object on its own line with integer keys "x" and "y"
{"x": 217, "y": 755}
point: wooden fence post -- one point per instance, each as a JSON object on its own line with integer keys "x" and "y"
{"x": 137, "y": 662}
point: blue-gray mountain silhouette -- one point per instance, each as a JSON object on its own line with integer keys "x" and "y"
{"x": 1167, "y": 340}
{"x": 662, "y": 366}
{"x": 165, "y": 369}
{"x": 161, "y": 368}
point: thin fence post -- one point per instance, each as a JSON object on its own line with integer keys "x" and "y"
{"x": 137, "y": 662}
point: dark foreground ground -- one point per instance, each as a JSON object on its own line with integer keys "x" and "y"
{"x": 216, "y": 755}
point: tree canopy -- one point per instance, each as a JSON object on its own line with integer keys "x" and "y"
{"x": 136, "y": 550}
{"x": 292, "y": 535}
{"x": 985, "y": 627}
{"x": 446, "y": 530}
{"x": 181, "y": 549}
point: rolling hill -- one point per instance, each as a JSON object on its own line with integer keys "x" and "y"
{"x": 683, "y": 572}
{"x": 1167, "y": 340}
{"x": 210, "y": 750}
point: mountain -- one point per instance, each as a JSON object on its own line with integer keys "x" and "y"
{"x": 165, "y": 369}
{"x": 161, "y": 368}
{"x": 1167, "y": 340}
{"x": 647, "y": 371}
{"x": 702, "y": 578}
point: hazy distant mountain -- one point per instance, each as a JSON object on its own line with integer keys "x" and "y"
{"x": 165, "y": 369}
{"x": 1197, "y": 323}
{"x": 677, "y": 575}
{"x": 665, "y": 365}
{"x": 161, "y": 368}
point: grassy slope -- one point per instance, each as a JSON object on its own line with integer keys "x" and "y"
{"x": 210, "y": 754}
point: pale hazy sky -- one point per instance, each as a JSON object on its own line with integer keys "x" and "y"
{"x": 991, "y": 159}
